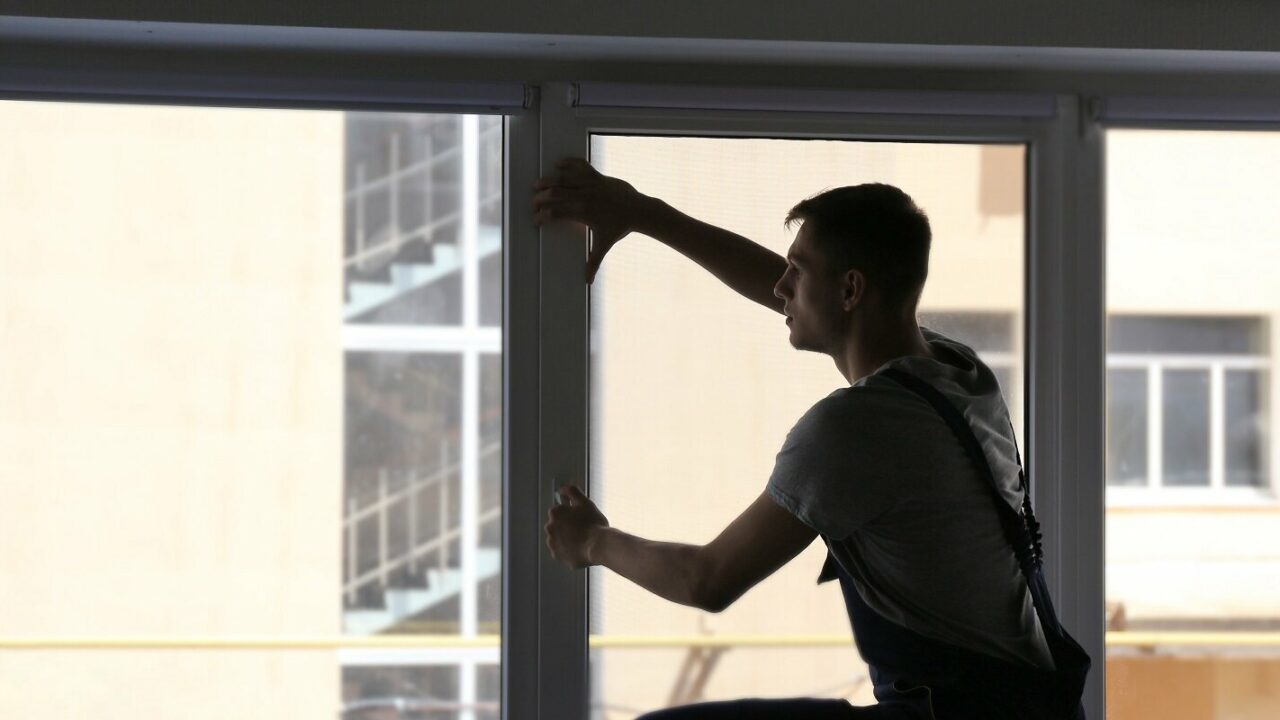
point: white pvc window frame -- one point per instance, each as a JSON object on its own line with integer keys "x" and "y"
{"x": 1063, "y": 318}
{"x": 544, "y": 339}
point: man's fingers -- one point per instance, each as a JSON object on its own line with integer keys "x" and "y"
{"x": 574, "y": 165}
{"x": 545, "y": 196}
{"x": 555, "y": 180}
{"x": 576, "y": 170}
{"x": 571, "y": 175}
{"x": 561, "y": 201}
{"x": 576, "y": 496}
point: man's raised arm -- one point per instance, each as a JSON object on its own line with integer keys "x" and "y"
{"x": 614, "y": 209}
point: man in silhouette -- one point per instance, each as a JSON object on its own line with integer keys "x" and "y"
{"x": 911, "y": 525}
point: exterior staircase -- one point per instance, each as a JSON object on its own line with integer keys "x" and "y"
{"x": 401, "y": 586}
{"x": 402, "y": 603}
{"x": 366, "y": 295}
{"x": 389, "y": 252}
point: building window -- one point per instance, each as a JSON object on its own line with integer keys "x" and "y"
{"x": 1187, "y": 402}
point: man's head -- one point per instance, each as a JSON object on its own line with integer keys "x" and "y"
{"x": 861, "y": 251}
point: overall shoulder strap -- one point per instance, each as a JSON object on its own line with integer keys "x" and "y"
{"x": 1071, "y": 661}
{"x": 1022, "y": 531}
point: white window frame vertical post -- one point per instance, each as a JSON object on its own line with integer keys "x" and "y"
{"x": 563, "y": 377}
{"x": 544, "y": 649}
{"x": 1067, "y": 343}
{"x": 522, "y": 550}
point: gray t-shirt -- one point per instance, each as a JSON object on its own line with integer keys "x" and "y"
{"x": 876, "y": 471}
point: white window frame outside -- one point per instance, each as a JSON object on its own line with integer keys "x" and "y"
{"x": 1156, "y": 493}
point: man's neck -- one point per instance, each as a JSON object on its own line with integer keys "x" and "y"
{"x": 866, "y": 352}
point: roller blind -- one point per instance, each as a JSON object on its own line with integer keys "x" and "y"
{"x": 1154, "y": 109}
{"x": 163, "y": 85}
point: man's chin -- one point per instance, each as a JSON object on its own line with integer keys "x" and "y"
{"x": 800, "y": 344}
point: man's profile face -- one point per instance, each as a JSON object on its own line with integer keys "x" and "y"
{"x": 811, "y": 295}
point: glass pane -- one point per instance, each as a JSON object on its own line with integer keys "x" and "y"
{"x": 980, "y": 331}
{"x": 489, "y": 692}
{"x": 403, "y": 479}
{"x": 230, "y": 402}
{"x": 490, "y": 209}
{"x": 423, "y": 486}
{"x": 408, "y": 215}
{"x": 695, "y": 388}
{"x": 994, "y": 335}
{"x": 1127, "y": 427}
{"x": 489, "y": 526}
{"x": 1193, "y": 239}
{"x": 1186, "y": 428}
{"x": 377, "y": 692}
{"x": 1004, "y": 376}
{"x": 1246, "y": 427}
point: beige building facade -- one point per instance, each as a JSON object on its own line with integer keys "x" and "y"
{"x": 170, "y": 439}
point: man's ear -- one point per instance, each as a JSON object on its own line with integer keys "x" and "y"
{"x": 855, "y": 288}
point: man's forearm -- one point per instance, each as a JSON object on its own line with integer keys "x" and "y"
{"x": 670, "y": 570}
{"x": 747, "y": 267}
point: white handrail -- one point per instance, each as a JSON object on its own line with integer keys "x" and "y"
{"x": 395, "y": 238}
{"x": 367, "y": 577}
{"x": 380, "y": 508}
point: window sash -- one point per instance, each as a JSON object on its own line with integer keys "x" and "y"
{"x": 1064, "y": 327}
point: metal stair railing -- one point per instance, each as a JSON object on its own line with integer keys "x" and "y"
{"x": 395, "y": 239}
{"x": 381, "y": 509}
{"x": 364, "y": 297}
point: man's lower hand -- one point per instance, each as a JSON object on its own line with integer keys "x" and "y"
{"x": 574, "y": 528}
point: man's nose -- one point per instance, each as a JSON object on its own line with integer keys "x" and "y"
{"x": 777, "y": 290}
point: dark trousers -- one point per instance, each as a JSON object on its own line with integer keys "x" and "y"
{"x": 782, "y": 709}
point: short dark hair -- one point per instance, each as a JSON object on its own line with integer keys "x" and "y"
{"x": 876, "y": 228}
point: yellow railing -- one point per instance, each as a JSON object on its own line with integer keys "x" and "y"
{"x": 1125, "y": 638}
{"x": 1135, "y": 638}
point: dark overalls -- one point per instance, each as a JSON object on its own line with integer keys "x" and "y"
{"x": 918, "y": 678}
{"x": 913, "y": 677}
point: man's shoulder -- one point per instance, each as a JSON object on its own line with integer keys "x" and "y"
{"x": 867, "y": 403}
